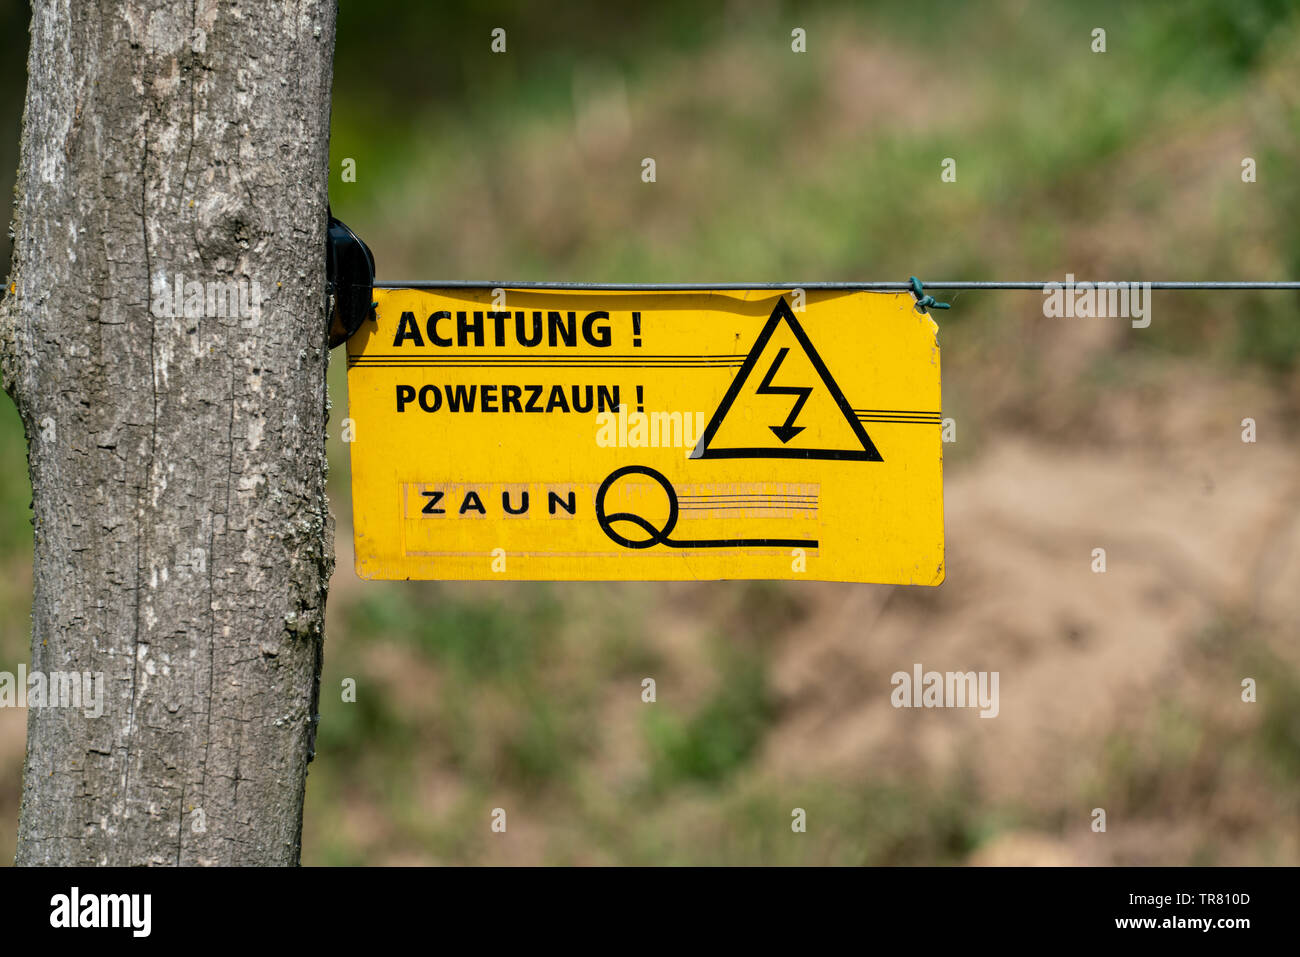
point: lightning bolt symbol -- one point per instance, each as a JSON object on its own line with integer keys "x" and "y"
{"x": 787, "y": 430}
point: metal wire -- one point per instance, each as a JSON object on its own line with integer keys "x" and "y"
{"x": 848, "y": 286}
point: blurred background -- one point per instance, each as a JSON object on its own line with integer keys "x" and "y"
{"x": 1119, "y": 690}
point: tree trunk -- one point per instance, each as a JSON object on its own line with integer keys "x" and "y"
{"x": 183, "y": 544}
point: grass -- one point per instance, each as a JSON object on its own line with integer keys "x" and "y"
{"x": 720, "y": 737}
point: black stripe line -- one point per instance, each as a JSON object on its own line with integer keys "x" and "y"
{"x": 901, "y": 411}
{"x": 788, "y": 508}
{"x": 748, "y": 495}
{"x": 753, "y": 501}
{"x": 809, "y": 505}
{"x": 533, "y": 355}
{"x": 533, "y": 365}
{"x": 545, "y": 358}
{"x": 542, "y": 360}
{"x": 520, "y": 362}
{"x": 366, "y": 360}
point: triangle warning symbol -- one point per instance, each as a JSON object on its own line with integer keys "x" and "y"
{"x": 783, "y": 404}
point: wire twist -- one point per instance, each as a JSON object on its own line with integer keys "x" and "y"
{"x": 925, "y": 301}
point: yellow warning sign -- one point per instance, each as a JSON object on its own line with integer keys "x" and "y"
{"x": 599, "y": 435}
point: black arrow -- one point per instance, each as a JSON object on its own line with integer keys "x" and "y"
{"x": 787, "y": 430}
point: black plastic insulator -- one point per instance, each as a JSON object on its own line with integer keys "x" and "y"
{"x": 350, "y": 277}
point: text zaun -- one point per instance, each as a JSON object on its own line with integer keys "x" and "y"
{"x": 601, "y": 435}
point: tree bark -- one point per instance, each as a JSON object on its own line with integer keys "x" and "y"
{"x": 183, "y": 544}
